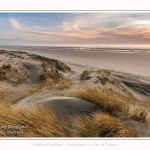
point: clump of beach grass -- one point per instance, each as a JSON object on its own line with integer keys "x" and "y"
{"x": 3, "y": 74}
{"x": 104, "y": 102}
{"x": 60, "y": 84}
{"x": 84, "y": 75}
{"x": 3, "y": 71}
{"x": 38, "y": 122}
{"x": 101, "y": 125}
{"x": 63, "y": 84}
{"x": 6, "y": 66}
{"x": 49, "y": 72}
{"x": 52, "y": 77}
{"x": 103, "y": 80}
{"x": 139, "y": 114}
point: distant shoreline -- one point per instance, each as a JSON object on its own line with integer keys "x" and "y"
{"x": 134, "y": 63}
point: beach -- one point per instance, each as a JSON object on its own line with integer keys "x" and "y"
{"x": 134, "y": 62}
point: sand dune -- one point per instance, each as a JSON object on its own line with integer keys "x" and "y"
{"x": 20, "y": 71}
{"x": 28, "y": 80}
{"x": 61, "y": 106}
{"x": 139, "y": 88}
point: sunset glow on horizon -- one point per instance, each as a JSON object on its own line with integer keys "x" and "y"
{"x": 61, "y": 28}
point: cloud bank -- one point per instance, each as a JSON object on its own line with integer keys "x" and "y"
{"x": 110, "y": 28}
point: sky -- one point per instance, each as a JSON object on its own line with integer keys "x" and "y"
{"x": 75, "y": 28}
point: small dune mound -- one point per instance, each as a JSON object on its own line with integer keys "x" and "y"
{"x": 53, "y": 62}
{"x": 67, "y": 106}
{"x": 99, "y": 76}
{"x": 61, "y": 106}
{"x": 105, "y": 80}
{"x": 20, "y": 67}
{"x": 22, "y": 74}
{"x": 13, "y": 54}
{"x": 12, "y": 74}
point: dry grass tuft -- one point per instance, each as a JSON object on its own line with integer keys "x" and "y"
{"x": 63, "y": 84}
{"x": 3, "y": 71}
{"x": 85, "y": 74}
{"x": 52, "y": 77}
{"x": 103, "y": 71}
{"x": 49, "y": 72}
{"x": 58, "y": 84}
{"x": 101, "y": 125}
{"x": 37, "y": 123}
{"x": 3, "y": 74}
{"x": 103, "y": 80}
{"x": 6, "y": 66}
{"x": 106, "y": 103}
{"x": 139, "y": 114}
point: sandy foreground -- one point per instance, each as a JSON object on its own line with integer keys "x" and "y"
{"x": 124, "y": 73}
